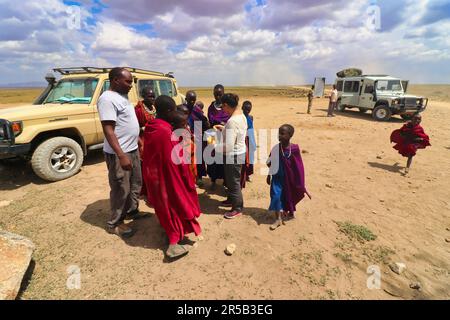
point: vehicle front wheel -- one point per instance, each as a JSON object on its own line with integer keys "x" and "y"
{"x": 381, "y": 113}
{"x": 57, "y": 159}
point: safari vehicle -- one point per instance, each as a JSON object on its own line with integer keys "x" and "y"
{"x": 58, "y": 129}
{"x": 385, "y": 96}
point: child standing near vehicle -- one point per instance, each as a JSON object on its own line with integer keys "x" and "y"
{"x": 286, "y": 176}
{"x": 409, "y": 138}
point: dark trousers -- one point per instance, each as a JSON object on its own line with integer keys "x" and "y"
{"x": 309, "y": 106}
{"x": 125, "y": 186}
{"x": 233, "y": 168}
{"x": 331, "y": 108}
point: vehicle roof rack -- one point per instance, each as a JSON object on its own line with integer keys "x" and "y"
{"x": 375, "y": 75}
{"x": 82, "y": 70}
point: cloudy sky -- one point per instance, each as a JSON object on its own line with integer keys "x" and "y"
{"x": 234, "y": 42}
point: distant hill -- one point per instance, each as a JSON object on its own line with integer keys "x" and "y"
{"x": 31, "y": 84}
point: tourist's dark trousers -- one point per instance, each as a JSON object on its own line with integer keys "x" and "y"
{"x": 233, "y": 167}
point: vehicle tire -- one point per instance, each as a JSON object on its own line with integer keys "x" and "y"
{"x": 362, "y": 110}
{"x": 57, "y": 159}
{"x": 381, "y": 113}
{"x": 406, "y": 116}
{"x": 340, "y": 107}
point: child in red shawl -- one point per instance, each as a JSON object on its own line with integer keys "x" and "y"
{"x": 409, "y": 138}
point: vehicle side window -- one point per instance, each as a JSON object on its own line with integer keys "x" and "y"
{"x": 146, "y": 83}
{"x": 369, "y": 88}
{"x": 339, "y": 85}
{"x": 105, "y": 86}
{"x": 160, "y": 87}
{"x": 351, "y": 86}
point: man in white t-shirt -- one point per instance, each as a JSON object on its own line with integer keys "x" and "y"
{"x": 121, "y": 130}
{"x": 333, "y": 101}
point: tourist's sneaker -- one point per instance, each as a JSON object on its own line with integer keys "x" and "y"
{"x": 122, "y": 230}
{"x": 232, "y": 214}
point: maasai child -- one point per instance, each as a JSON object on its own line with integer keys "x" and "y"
{"x": 181, "y": 122}
{"x": 170, "y": 186}
{"x": 250, "y": 144}
{"x": 196, "y": 115}
{"x": 145, "y": 112}
{"x": 286, "y": 176}
{"x": 217, "y": 116}
{"x": 200, "y": 105}
{"x": 409, "y": 138}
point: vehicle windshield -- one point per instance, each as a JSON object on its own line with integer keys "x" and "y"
{"x": 79, "y": 90}
{"x": 389, "y": 85}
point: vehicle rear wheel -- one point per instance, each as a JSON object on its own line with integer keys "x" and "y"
{"x": 362, "y": 110}
{"x": 57, "y": 159}
{"x": 381, "y": 113}
{"x": 340, "y": 107}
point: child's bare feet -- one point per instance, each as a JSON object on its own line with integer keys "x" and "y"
{"x": 277, "y": 224}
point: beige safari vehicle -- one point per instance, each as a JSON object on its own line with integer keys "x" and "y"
{"x": 62, "y": 125}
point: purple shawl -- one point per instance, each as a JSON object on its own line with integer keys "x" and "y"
{"x": 217, "y": 116}
{"x": 294, "y": 178}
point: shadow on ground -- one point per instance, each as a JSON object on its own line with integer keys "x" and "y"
{"x": 391, "y": 168}
{"x": 16, "y": 173}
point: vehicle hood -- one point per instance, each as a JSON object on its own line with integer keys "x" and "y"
{"x": 394, "y": 95}
{"x": 42, "y": 111}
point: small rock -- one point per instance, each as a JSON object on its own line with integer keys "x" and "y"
{"x": 305, "y": 151}
{"x": 415, "y": 285}
{"x": 397, "y": 267}
{"x": 414, "y": 191}
{"x": 5, "y": 203}
{"x": 200, "y": 238}
{"x": 230, "y": 249}
{"x": 369, "y": 178}
{"x": 374, "y": 212}
{"x": 329, "y": 185}
{"x": 379, "y": 157}
{"x": 381, "y": 200}
{"x": 448, "y": 229}
{"x": 447, "y": 239}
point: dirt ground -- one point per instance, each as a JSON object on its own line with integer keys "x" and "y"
{"x": 353, "y": 174}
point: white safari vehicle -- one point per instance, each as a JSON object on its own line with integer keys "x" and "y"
{"x": 384, "y": 95}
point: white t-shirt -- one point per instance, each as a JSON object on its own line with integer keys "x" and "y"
{"x": 113, "y": 106}
{"x": 333, "y": 96}
{"x": 234, "y": 135}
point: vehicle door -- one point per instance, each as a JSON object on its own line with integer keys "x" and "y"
{"x": 350, "y": 94}
{"x": 366, "y": 97}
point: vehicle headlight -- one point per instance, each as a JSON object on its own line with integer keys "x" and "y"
{"x": 2, "y": 133}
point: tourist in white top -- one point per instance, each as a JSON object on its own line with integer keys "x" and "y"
{"x": 233, "y": 148}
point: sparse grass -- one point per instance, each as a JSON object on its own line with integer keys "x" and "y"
{"x": 354, "y": 231}
{"x": 19, "y": 95}
{"x": 378, "y": 254}
{"x": 346, "y": 257}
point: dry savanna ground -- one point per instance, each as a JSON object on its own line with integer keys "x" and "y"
{"x": 363, "y": 213}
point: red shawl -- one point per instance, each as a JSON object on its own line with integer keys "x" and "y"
{"x": 405, "y": 139}
{"x": 170, "y": 186}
